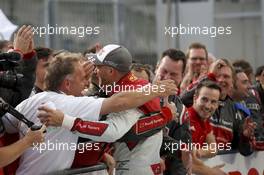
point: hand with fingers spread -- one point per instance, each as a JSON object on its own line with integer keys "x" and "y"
{"x": 24, "y": 40}
{"x": 35, "y": 137}
{"x": 50, "y": 117}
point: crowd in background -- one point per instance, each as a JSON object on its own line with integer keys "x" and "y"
{"x": 217, "y": 103}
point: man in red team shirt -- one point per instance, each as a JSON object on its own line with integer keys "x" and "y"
{"x": 205, "y": 102}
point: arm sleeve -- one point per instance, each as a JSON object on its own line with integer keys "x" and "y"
{"x": 10, "y": 123}
{"x": 85, "y": 108}
{"x": 116, "y": 125}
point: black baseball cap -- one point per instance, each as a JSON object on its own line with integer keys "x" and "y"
{"x": 113, "y": 55}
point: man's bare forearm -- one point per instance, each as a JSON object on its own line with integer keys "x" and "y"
{"x": 10, "y": 153}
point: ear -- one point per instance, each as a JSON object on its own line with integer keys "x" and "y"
{"x": 195, "y": 97}
{"x": 66, "y": 84}
{"x": 113, "y": 71}
{"x": 157, "y": 66}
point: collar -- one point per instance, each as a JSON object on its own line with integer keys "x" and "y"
{"x": 128, "y": 79}
{"x": 37, "y": 89}
{"x": 194, "y": 115}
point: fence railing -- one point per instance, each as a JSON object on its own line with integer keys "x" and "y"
{"x": 84, "y": 170}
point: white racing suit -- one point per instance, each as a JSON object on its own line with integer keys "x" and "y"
{"x": 138, "y": 152}
{"x": 138, "y": 158}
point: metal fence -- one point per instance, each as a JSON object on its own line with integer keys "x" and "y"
{"x": 130, "y": 23}
{"x": 139, "y": 24}
{"x": 79, "y": 171}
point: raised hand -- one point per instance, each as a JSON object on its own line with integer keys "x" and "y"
{"x": 216, "y": 66}
{"x": 24, "y": 40}
{"x": 88, "y": 68}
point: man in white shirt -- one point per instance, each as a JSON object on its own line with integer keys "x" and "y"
{"x": 65, "y": 81}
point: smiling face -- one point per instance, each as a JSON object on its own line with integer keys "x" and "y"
{"x": 242, "y": 85}
{"x": 225, "y": 80}
{"x": 206, "y": 102}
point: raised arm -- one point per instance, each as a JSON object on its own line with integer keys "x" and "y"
{"x": 132, "y": 99}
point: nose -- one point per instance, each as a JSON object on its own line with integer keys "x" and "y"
{"x": 248, "y": 85}
{"x": 220, "y": 78}
{"x": 167, "y": 76}
{"x": 207, "y": 106}
{"x": 96, "y": 70}
{"x": 197, "y": 61}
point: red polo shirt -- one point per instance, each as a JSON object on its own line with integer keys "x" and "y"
{"x": 199, "y": 128}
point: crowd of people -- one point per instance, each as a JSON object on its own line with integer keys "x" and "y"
{"x": 101, "y": 106}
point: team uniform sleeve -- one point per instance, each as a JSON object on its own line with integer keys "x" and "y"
{"x": 115, "y": 126}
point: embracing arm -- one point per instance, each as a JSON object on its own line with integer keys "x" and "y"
{"x": 132, "y": 99}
